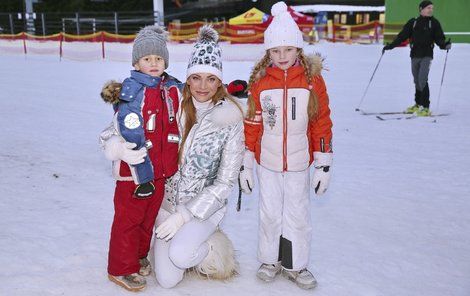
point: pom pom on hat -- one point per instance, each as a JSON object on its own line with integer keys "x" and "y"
{"x": 150, "y": 30}
{"x": 208, "y": 34}
{"x": 278, "y": 8}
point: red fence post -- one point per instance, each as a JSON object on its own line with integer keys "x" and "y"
{"x": 61, "y": 38}
{"x": 334, "y": 33}
{"x": 24, "y": 42}
{"x": 102, "y": 44}
{"x": 376, "y": 28}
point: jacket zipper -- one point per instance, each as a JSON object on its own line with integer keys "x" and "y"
{"x": 162, "y": 95}
{"x": 284, "y": 142}
{"x": 142, "y": 107}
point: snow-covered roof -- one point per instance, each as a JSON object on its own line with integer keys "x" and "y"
{"x": 338, "y": 8}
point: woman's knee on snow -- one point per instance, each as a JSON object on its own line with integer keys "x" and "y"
{"x": 183, "y": 256}
{"x": 168, "y": 280}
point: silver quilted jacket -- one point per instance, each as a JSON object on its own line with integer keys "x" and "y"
{"x": 211, "y": 161}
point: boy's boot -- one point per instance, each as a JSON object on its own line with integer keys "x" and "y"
{"x": 132, "y": 282}
{"x": 145, "y": 267}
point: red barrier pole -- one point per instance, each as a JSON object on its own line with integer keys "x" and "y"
{"x": 376, "y": 28}
{"x": 61, "y": 38}
{"x": 334, "y": 33}
{"x": 24, "y": 43}
{"x": 102, "y": 44}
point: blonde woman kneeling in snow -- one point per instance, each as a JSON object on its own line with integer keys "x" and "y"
{"x": 211, "y": 151}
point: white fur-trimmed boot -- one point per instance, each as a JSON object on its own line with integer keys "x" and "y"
{"x": 220, "y": 262}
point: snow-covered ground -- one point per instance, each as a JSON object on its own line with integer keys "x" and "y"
{"x": 395, "y": 220}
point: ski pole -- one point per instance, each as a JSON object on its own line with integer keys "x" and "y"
{"x": 442, "y": 80}
{"x": 370, "y": 80}
{"x": 239, "y": 201}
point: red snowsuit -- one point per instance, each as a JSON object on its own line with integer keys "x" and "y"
{"x": 132, "y": 228}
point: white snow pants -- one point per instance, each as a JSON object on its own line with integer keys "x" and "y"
{"x": 186, "y": 249}
{"x": 284, "y": 218}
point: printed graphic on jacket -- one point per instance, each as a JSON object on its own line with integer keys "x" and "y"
{"x": 270, "y": 109}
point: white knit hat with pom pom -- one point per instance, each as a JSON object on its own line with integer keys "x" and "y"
{"x": 206, "y": 56}
{"x": 283, "y": 30}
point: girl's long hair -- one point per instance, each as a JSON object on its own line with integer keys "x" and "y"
{"x": 189, "y": 111}
{"x": 312, "y": 107}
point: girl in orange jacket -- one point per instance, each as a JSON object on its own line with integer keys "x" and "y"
{"x": 287, "y": 128}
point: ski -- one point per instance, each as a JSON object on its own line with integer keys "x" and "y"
{"x": 412, "y": 116}
{"x": 394, "y": 117}
{"x": 382, "y": 113}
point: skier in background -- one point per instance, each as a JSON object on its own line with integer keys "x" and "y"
{"x": 423, "y": 32}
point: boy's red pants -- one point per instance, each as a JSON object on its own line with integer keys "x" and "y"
{"x": 132, "y": 228}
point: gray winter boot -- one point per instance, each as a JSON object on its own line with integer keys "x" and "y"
{"x": 304, "y": 279}
{"x": 267, "y": 272}
{"x": 145, "y": 267}
{"x": 132, "y": 282}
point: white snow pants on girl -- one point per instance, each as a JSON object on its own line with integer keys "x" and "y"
{"x": 284, "y": 218}
{"x": 186, "y": 249}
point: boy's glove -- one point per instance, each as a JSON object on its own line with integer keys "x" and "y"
{"x": 246, "y": 178}
{"x": 117, "y": 148}
{"x": 173, "y": 223}
{"x": 237, "y": 88}
{"x": 110, "y": 92}
{"x": 144, "y": 191}
{"x": 321, "y": 175}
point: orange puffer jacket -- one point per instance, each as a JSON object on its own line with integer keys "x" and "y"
{"x": 281, "y": 135}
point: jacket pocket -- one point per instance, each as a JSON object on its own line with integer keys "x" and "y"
{"x": 293, "y": 108}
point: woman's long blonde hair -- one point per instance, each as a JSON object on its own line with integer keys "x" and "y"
{"x": 189, "y": 111}
{"x": 312, "y": 107}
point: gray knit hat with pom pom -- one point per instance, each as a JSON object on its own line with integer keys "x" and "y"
{"x": 206, "y": 56}
{"x": 150, "y": 40}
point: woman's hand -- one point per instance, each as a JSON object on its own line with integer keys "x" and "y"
{"x": 173, "y": 223}
{"x": 170, "y": 227}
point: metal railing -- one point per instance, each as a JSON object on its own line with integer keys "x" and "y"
{"x": 77, "y": 22}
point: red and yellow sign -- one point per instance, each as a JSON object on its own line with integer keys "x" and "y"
{"x": 252, "y": 16}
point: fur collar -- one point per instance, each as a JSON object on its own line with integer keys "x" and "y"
{"x": 225, "y": 113}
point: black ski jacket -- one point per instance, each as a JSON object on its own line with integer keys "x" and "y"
{"x": 423, "y": 32}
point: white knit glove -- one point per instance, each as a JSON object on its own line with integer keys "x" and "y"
{"x": 321, "y": 175}
{"x": 173, "y": 223}
{"x": 117, "y": 148}
{"x": 246, "y": 179}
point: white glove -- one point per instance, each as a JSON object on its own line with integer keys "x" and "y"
{"x": 321, "y": 175}
{"x": 173, "y": 223}
{"x": 246, "y": 179}
{"x": 117, "y": 148}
